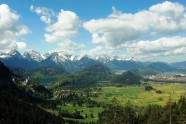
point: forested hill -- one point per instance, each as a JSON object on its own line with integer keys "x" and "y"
{"x": 89, "y": 76}
{"x": 15, "y": 105}
{"x": 97, "y": 74}
{"x": 127, "y": 78}
{"x": 92, "y": 75}
{"x": 5, "y": 75}
{"x": 97, "y": 68}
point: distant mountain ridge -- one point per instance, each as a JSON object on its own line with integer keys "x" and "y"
{"x": 179, "y": 64}
{"x": 33, "y": 59}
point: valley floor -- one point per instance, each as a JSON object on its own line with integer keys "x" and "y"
{"x": 136, "y": 95}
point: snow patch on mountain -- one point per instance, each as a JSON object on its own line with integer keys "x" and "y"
{"x": 34, "y": 55}
{"x": 59, "y": 56}
{"x": 9, "y": 53}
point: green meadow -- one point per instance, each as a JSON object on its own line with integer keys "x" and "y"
{"x": 83, "y": 110}
{"x": 136, "y": 95}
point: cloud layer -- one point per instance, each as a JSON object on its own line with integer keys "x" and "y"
{"x": 118, "y": 28}
{"x": 163, "y": 46}
{"x": 10, "y": 29}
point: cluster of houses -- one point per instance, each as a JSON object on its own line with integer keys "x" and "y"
{"x": 167, "y": 77}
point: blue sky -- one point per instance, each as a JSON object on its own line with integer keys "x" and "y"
{"x": 148, "y": 30}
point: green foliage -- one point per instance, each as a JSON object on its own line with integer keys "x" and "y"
{"x": 15, "y": 110}
{"x": 66, "y": 80}
{"x": 90, "y": 76}
{"x": 97, "y": 68}
{"x": 173, "y": 113}
{"x": 33, "y": 88}
{"x": 127, "y": 78}
{"x": 150, "y": 114}
{"x": 5, "y": 75}
{"x": 18, "y": 107}
{"x": 149, "y": 88}
{"x": 118, "y": 115}
{"x": 47, "y": 74}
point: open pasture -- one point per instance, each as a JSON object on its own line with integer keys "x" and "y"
{"x": 138, "y": 96}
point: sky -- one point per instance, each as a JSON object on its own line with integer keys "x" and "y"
{"x": 146, "y": 30}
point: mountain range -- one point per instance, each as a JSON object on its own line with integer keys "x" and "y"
{"x": 32, "y": 60}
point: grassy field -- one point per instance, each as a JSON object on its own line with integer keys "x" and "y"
{"x": 135, "y": 94}
{"x": 138, "y": 96}
{"x": 83, "y": 110}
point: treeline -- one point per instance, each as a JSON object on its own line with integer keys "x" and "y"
{"x": 18, "y": 107}
{"x": 171, "y": 113}
{"x": 14, "y": 110}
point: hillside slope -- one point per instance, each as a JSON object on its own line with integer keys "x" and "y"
{"x": 127, "y": 78}
{"x": 16, "y": 107}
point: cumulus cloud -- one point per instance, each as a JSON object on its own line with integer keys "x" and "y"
{"x": 95, "y": 52}
{"x": 162, "y": 19}
{"x": 166, "y": 46}
{"x": 61, "y": 31}
{"x": 10, "y": 29}
{"x": 65, "y": 28}
{"x": 70, "y": 46}
{"x": 46, "y": 14}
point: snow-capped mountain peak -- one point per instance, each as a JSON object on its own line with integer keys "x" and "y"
{"x": 130, "y": 59}
{"x": 32, "y": 59}
{"x": 9, "y": 53}
{"x": 117, "y": 58}
{"x": 104, "y": 58}
{"x": 58, "y": 57}
{"x": 34, "y": 55}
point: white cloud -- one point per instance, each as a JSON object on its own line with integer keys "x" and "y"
{"x": 70, "y": 46}
{"x": 21, "y": 45}
{"x": 118, "y": 28}
{"x": 171, "y": 46}
{"x": 61, "y": 31}
{"x": 95, "y": 52}
{"x": 45, "y": 19}
{"x": 10, "y": 29}
{"x": 46, "y": 14}
{"x": 65, "y": 28}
